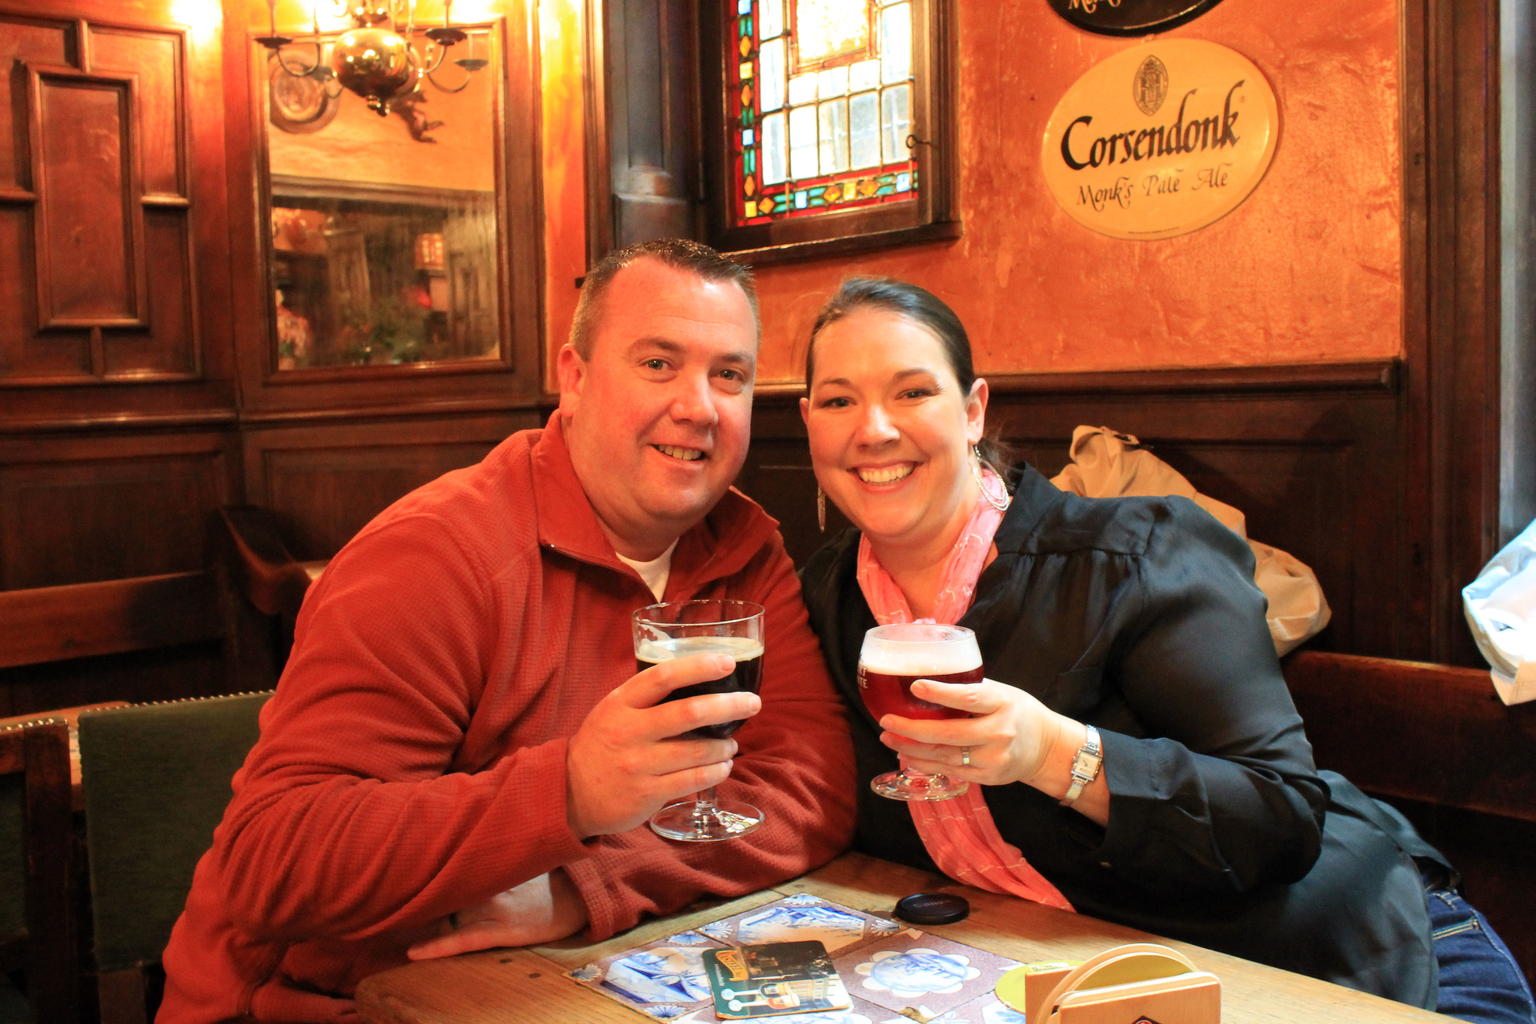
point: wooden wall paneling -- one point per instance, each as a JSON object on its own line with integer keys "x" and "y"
{"x": 104, "y": 565}
{"x": 1419, "y": 713}
{"x": 324, "y": 482}
{"x": 778, "y": 476}
{"x": 1314, "y": 476}
{"x": 83, "y": 508}
{"x": 24, "y": 42}
{"x": 48, "y": 42}
{"x": 116, "y": 388}
{"x": 174, "y": 347}
{"x": 1450, "y": 138}
{"x": 1309, "y": 455}
{"x": 89, "y": 225}
{"x": 1517, "y": 269}
{"x": 111, "y": 177}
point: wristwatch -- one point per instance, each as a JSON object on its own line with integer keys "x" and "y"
{"x": 1085, "y": 766}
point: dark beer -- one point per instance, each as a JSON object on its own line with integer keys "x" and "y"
{"x": 747, "y": 676}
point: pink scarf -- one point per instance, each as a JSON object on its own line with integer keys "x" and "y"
{"x": 959, "y": 833}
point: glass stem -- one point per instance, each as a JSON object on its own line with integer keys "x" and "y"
{"x": 704, "y": 807}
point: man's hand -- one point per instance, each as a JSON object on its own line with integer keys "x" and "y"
{"x": 625, "y": 761}
{"x": 540, "y": 910}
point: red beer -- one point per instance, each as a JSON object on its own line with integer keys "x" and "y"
{"x": 892, "y": 658}
{"x": 891, "y": 694}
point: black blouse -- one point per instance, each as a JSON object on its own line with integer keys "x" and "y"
{"x": 1140, "y": 616}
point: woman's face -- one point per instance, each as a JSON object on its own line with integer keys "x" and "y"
{"x": 891, "y": 429}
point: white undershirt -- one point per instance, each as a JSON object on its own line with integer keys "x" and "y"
{"x": 654, "y": 572}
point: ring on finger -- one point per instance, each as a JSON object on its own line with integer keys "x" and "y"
{"x": 965, "y": 757}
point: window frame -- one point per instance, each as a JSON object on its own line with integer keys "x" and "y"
{"x": 931, "y": 216}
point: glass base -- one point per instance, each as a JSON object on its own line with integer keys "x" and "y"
{"x": 691, "y": 822}
{"x": 908, "y": 785}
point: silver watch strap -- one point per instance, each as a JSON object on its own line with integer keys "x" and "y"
{"x": 1086, "y": 764}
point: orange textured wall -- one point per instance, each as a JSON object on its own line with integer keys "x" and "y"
{"x": 1308, "y": 268}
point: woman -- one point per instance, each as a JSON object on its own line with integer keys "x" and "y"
{"x": 1134, "y": 752}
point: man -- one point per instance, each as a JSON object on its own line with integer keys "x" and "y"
{"x": 459, "y": 754}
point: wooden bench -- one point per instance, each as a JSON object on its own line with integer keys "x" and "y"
{"x": 80, "y": 620}
{"x": 1435, "y": 742}
{"x": 271, "y": 584}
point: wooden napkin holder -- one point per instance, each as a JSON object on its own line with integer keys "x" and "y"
{"x": 1137, "y": 983}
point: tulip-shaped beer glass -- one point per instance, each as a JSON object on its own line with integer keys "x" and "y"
{"x": 892, "y": 658}
{"x": 679, "y": 628}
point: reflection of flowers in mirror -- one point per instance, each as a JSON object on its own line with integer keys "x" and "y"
{"x": 297, "y": 229}
{"x": 295, "y": 337}
{"x": 395, "y": 329}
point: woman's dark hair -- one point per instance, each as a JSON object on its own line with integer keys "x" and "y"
{"x": 924, "y": 308}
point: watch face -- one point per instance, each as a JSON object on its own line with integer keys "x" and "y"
{"x": 301, "y": 103}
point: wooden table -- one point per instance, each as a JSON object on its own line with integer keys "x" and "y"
{"x": 527, "y": 986}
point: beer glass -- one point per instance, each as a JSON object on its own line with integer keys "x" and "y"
{"x": 676, "y": 629}
{"x": 892, "y": 658}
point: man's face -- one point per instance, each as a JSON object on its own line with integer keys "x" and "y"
{"x": 658, "y": 417}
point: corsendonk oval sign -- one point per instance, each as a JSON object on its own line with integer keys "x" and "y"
{"x": 1161, "y": 139}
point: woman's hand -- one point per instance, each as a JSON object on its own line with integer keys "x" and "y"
{"x": 1008, "y": 738}
{"x": 540, "y": 910}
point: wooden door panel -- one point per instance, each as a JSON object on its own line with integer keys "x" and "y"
{"x": 155, "y": 59}
{"x": 96, "y": 201}
{"x": 89, "y": 227}
{"x": 24, "y": 39}
{"x": 169, "y": 349}
{"x": 26, "y": 355}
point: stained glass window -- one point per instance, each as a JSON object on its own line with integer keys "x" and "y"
{"x": 820, "y": 102}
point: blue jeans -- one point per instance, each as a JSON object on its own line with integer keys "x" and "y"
{"x": 1479, "y": 979}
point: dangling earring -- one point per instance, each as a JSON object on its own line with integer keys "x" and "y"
{"x": 821, "y": 510}
{"x": 1001, "y": 504}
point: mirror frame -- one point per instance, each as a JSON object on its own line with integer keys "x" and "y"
{"x": 519, "y": 217}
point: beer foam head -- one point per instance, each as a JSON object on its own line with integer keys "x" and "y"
{"x": 919, "y": 648}
{"x": 741, "y": 648}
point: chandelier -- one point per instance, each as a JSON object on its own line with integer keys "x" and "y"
{"x": 372, "y": 59}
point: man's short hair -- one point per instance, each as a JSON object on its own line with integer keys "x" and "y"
{"x": 682, "y": 253}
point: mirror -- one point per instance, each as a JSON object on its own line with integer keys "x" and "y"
{"x": 384, "y": 247}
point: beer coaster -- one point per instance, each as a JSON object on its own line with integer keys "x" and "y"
{"x": 932, "y": 908}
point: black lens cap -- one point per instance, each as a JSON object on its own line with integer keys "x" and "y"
{"x": 932, "y": 908}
